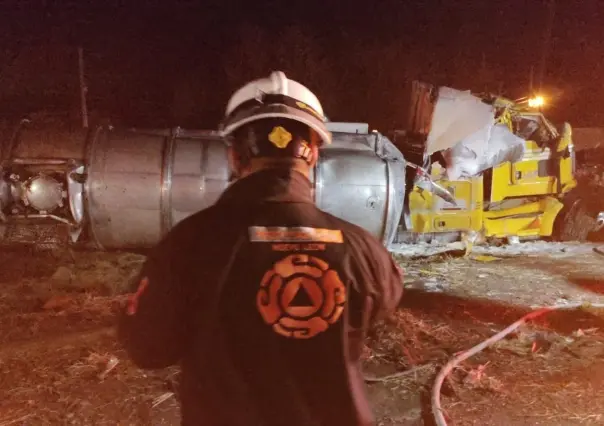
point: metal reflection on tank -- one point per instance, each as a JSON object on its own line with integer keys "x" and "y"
{"x": 361, "y": 179}
{"x": 142, "y": 182}
{"x": 43, "y": 193}
{"x": 124, "y": 189}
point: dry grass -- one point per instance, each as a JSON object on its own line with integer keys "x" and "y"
{"x": 534, "y": 376}
{"x": 78, "y": 378}
{"x": 79, "y": 383}
{"x": 60, "y": 363}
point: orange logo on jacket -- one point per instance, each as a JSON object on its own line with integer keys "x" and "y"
{"x": 300, "y": 296}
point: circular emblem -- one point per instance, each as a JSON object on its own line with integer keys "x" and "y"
{"x": 300, "y": 297}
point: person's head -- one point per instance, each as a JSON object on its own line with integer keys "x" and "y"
{"x": 273, "y": 122}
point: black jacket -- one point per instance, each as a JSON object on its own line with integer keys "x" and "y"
{"x": 265, "y": 301}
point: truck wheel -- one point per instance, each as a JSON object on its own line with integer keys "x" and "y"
{"x": 574, "y": 223}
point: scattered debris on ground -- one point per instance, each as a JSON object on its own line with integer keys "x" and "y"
{"x": 526, "y": 274}
{"x": 538, "y": 248}
{"x": 60, "y": 363}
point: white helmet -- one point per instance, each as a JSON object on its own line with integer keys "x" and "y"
{"x": 275, "y": 97}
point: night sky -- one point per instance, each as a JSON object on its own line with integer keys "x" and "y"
{"x": 167, "y": 63}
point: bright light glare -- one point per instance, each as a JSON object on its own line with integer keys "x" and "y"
{"x": 536, "y": 102}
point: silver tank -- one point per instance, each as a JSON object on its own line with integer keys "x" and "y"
{"x": 361, "y": 178}
{"x": 137, "y": 184}
{"x": 141, "y": 183}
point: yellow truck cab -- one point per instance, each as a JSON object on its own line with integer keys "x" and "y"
{"x": 513, "y": 200}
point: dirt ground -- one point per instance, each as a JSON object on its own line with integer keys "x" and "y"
{"x": 60, "y": 364}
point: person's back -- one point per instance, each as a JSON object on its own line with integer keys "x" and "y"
{"x": 265, "y": 299}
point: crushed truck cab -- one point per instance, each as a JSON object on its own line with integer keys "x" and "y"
{"x": 522, "y": 197}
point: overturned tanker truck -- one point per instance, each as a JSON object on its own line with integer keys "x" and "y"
{"x": 122, "y": 189}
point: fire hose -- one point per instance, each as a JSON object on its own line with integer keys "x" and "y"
{"x": 462, "y": 356}
{"x": 437, "y": 410}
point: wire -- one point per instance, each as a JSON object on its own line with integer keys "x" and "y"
{"x": 437, "y": 410}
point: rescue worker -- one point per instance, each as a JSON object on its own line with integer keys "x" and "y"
{"x": 264, "y": 299}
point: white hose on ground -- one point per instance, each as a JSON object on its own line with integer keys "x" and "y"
{"x": 455, "y": 361}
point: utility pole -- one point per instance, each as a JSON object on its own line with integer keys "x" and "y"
{"x": 83, "y": 88}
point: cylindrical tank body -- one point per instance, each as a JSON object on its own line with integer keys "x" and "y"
{"x": 141, "y": 183}
{"x": 361, "y": 178}
{"x": 137, "y": 184}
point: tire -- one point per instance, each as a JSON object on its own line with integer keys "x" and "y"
{"x": 575, "y": 223}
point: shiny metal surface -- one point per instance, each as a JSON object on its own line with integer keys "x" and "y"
{"x": 75, "y": 190}
{"x": 42, "y": 185}
{"x": 361, "y": 178}
{"x": 599, "y": 222}
{"x": 43, "y": 193}
{"x": 141, "y": 183}
{"x": 127, "y": 188}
